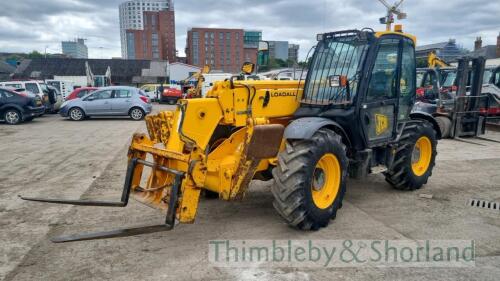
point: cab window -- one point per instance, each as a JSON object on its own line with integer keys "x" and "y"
{"x": 407, "y": 81}
{"x": 496, "y": 81}
{"x": 420, "y": 78}
{"x": 430, "y": 79}
{"x": 450, "y": 79}
{"x": 382, "y": 83}
{"x": 487, "y": 75}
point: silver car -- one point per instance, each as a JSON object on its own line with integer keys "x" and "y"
{"x": 109, "y": 101}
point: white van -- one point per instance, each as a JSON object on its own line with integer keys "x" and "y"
{"x": 210, "y": 78}
{"x": 64, "y": 87}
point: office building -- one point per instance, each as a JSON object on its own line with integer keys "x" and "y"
{"x": 132, "y": 16}
{"x": 156, "y": 41}
{"x": 251, "y": 39}
{"x": 75, "y": 49}
{"x": 221, "y": 48}
{"x": 293, "y": 52}
{"x": 278, "y": 50}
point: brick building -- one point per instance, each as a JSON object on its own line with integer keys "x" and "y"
{"x": 221, "y": 48}
{"x": 132, "y": 18}
{"x": 156, "y": 40}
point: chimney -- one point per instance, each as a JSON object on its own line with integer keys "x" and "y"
{"x": 478, "y": 43}
{"x": 498, "y": 45}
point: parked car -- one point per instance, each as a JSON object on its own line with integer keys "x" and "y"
{"x": 80, "y": 92}
{"x": 16, "y": 107}
{"x": 108, "y": 101}
{"x": 171, "y": 94}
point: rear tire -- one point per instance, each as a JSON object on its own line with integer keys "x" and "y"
{"x": 415, "y": 157}
{"x": 310, "y": 180}
{"x": 12, "y": 117}
{"x": 444, "y": 124}
{"x": 136, "y": 114}
{"x": 76, "y": 114}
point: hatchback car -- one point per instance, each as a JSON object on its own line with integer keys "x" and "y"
{"x": 108, "y": 101}
{"x": 16, "y": 107}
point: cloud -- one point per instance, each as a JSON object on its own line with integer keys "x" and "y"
{"x": 33, "y": 25}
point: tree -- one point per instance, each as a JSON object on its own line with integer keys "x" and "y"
{"x": 35, "y": 55}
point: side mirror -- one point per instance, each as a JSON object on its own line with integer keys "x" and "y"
{"x": 248, "y": 68}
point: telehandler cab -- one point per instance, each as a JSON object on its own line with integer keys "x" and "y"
{"x": 351, "y": 116}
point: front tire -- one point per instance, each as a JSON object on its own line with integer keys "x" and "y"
{"x": 415, "y": 157}
{"x": 12, "y": 116}
{"x": 76, "y": 114}
{"x": 310, "y": 180}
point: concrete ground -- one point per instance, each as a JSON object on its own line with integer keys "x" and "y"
{"x": 52, "y": 157}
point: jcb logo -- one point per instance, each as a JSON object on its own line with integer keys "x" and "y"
{"x": 283, "y": 94}
{"x": 381, "y": 124}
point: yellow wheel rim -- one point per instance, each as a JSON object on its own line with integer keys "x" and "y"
{"x": 326, "y": 181}
{"x": 421, "y": 156}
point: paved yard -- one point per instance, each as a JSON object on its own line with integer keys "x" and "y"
{"x": 58, "y": 158}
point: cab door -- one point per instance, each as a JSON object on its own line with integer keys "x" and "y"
{"x": 379, "y": 104}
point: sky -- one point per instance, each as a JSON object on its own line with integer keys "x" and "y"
{"x": 27, "y": 25}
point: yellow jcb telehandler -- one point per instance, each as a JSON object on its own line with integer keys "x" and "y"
{"x": 351, "y": 116}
